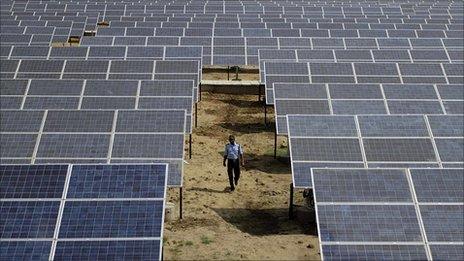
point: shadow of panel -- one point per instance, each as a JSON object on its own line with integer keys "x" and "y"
{"x": 265, "y": 222}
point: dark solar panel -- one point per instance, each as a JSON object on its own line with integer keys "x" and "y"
{"x": 28, "y": 219}
{"x": 361, "y": 185}
{"x": 369, "y": 223}
{"x": 124, "y": 249}
{"x": 438, "y": 185}
{"x": 374, "y": 252}
{"x": 25, "y": 250}
{"x": 32, "y": 181}
{"x": 117, "y": 181}
{"x": 106, "y": 219}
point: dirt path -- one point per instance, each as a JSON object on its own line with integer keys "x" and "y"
{"x": 252, "y": 222}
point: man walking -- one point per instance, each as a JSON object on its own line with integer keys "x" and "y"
{"x": 233, "y": 154}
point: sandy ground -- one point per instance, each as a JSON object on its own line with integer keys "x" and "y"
{"x": 252, "y": 222}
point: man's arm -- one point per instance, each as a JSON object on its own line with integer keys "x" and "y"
{"x": 241, "y": 156}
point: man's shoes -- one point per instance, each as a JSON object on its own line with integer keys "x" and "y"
{"x": 236, "y": 182}
{"x": 232, "y": 189}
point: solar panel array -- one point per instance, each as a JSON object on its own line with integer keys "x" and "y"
{"x": 358, "y": 84}
{"x": 109, "y": 104}
{"x": 373, "y": 141}
{"x": 96, "y": 136}
{"x": 80, "y": 212}
{"x": 397, "y": 214}
{"x": 232, "y": 32}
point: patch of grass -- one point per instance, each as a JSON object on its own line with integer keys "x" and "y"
{"x": 206, "y": 240}
{"x": 281, "y": 152}
{"x": 188, "y": 243}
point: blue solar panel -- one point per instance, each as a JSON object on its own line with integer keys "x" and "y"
{"x": 108, "y": 250}
{"x": 31, "y": 219}
{"x": 438, "y": 185}
{"x": 447, "y": 252}
{"x": 32, "y": 181}
{"x": 443, "y": 223}
{"x": 368, "y": 223}
{"x": 107, "y": 219}
{"x": 361, "y": 185}
{"x": 117, "y": 181}
{"x": 374, "y": 252}
{"x": 25, "y": 250}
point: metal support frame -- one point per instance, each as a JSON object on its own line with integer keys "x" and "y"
{"x": 265, "y": 114}
{"x": 196, "y": 115}
{"x": 190, "y": 146}
{"x": 180, "y": 203}
{"x": 199, "y": 91}
{"x": 275, "y": 144}
{"x": 290, "y": 205}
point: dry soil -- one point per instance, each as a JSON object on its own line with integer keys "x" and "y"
{"x": 252, "y": 222}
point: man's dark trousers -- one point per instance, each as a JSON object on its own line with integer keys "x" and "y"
{"x": 233, "y": 170}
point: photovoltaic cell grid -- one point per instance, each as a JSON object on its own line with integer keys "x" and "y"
{"x": 356, "y": 55}
{"x": 95, "y": 136}
{"x": 372, "y": 141}
{"x": 159, "y": 53}
{"x": 104, "y": 70}
{"x": 359, "y": 73}
{"x": 355, "y": 99}
{"x": 389, "y": 213}
{"x": 82, "y": 211}
{"x": 40, "y": 94}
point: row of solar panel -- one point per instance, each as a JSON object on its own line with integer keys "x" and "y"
{"x": 127, "y": 67}
{"x": 239, "y": 6}
{"x": 292, "y": 31}
{"x": 62, "y": 136}
{"x": 262, "y": 42}
{"x": 420, "y": 207}
{"x": 206, "y": 28}
{"x": 449, "y": 12}
{"x": 192, "y": 53}
{"x": 98, "y": 69}
{"x": 305, "y": 72}
{"x": 92, "y": 206}
{"x": 353, "y": 99}
{"x": 103, "y": 52}
{"x": 98, "y": 94}
{"x": 223, "y": 20}
{"x": 373, "y": 141}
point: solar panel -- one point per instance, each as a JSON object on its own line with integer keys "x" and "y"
{"x": 28, "y": 219}
{"x": 97, "y": 209}
{"x": 361, "y": 185}
{"x": 127, "y": 249}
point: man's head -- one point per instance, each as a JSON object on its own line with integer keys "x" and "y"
{"x": 231, "y": 139}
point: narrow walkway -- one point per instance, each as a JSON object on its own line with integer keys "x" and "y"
{"x": 252, "y": 222}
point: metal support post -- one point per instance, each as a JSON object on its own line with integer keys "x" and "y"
{"x": 259, "y": 92}
{"x": 290, "y": 207}
{"x": 228, "y": 73}
{"x": 180, "y": 203}
{"x": 196, "y": 115}
{"x": 275, "y": 144}
{"x": 199, "y": 91}
{"x": 265, "y": 114}
{"x": 190, "y": 146}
